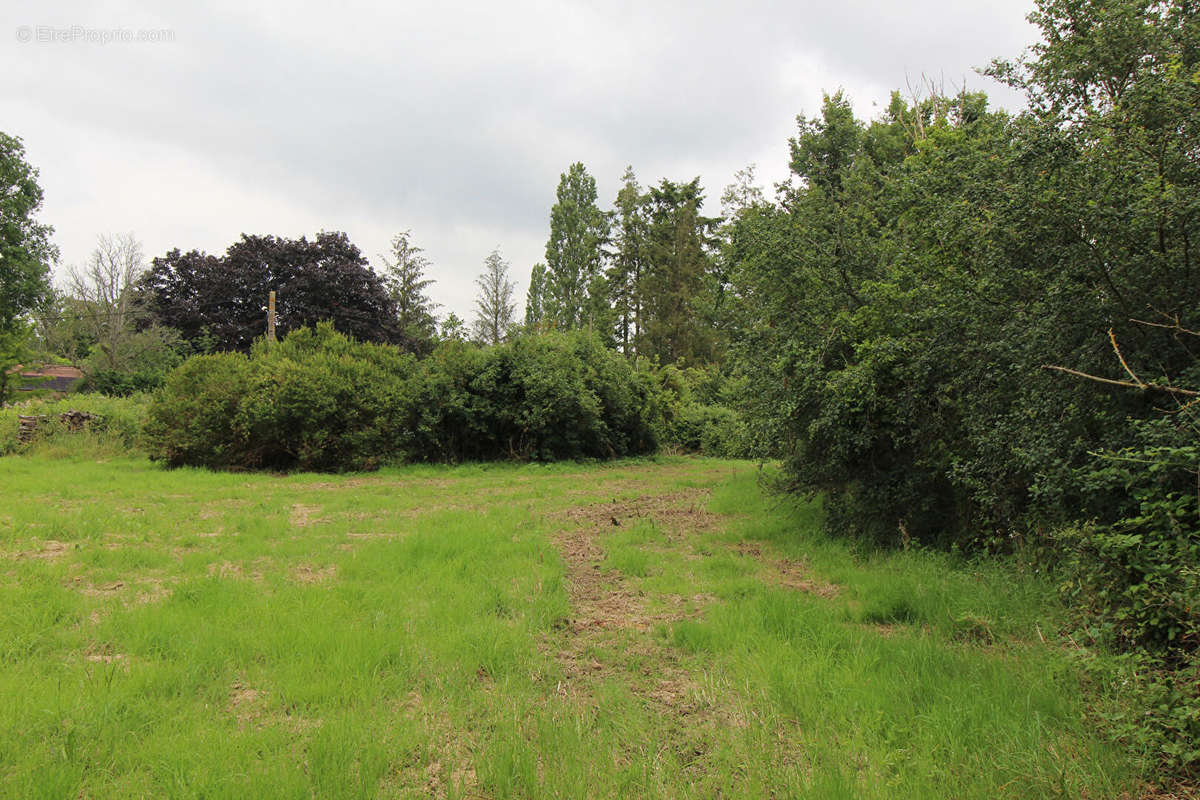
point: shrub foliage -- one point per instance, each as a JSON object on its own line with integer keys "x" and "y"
{"x": 321, "y": 401}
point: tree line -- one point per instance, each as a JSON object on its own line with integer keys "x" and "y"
{"x": 643, "y": 276}
{"x": 977, "y": 330}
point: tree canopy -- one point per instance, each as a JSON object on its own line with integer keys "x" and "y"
{"x": 404, "y": 276}
{"x": 220, "y": 303}
{"x": 574, "y": 252}
{"x": 26, "y": 251}
{"x": 494, "y": 306}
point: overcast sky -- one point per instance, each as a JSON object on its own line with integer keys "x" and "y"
{"x": 453, "y": 120}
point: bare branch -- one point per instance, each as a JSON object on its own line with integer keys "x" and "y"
{"x": 104, "y": 286}
{"x": 1174, "y": 327}
{"x": 1112, "y": 337}
{"x": 1127, "y": 384}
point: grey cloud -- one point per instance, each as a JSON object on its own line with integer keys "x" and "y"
{"x": 464, "y": 116}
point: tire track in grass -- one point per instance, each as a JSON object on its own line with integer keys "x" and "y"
{"x": 610, "y": 635}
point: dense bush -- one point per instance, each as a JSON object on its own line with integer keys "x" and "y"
{"x": 321, "y": 401}
{"x": 1133, "y": 577}
{"x": 545, "y": 397}
{"x": 914, "y": 301}
{"x": 1137, "y": 577}
{"x": 315, "y": 401}
{"x": 115, "y": 383}
{"x": 693, "y": 411}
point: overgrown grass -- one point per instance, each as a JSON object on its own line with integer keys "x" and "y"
{"x": 414, "y": 633}
{"x": 115, "y": 433}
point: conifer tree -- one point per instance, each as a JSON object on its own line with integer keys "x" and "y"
{"x": 676, "y": 274}
{"x": 625, "y": 271}
{"x": 494, "y": 306}
{"x": 405, "y": 279}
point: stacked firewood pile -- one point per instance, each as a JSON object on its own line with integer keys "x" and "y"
{"x": 27, "y": 427}
{"x": 74, "y": 420}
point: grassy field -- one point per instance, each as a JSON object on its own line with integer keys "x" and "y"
{"x": 643, "y": 629}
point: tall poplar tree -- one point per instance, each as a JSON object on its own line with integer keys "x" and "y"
{"x": 535, "y": 298}
{"x": 575, "y": 250}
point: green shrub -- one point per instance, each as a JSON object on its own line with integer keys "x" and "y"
{"x": 1137, "y": 577}
{"x": 323, "y": 409}
{"x": 1152, "y": 710}
{"x": 692, "y": 412}
{"x": 317, "y": 401}
{"x": 1133, "y": 578}
{"x": 121, "y": 384}
{"x": 191, "y": 420}
{"x": 320, "y": 401}
{"x": 545, "y": 397}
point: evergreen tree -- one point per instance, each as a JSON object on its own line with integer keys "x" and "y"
{"x": 625, "y": 271}
{"x": 574, "y": 252}
{"x": 598, "y": 315}
{"x": 405, "y": 279}
{"x": 494, "y": 306}
{"x": 674, "y": 281}
{"x": 453, "y": 328}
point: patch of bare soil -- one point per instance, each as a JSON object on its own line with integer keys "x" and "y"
{"x": 245, "y": 702}
{"x": 232, "y": 571}
{"x": 303, "y": 515}
{"x": 249, "y": 706}
{"x": 50, "y": 549}
{"x": 105, "y": 654}
{"x": 348, "y": 483}
{"x": 101, "y": 589}
{"x": 355, "y": 537}
{"x": 144, "y": 590}
{"x": 786, "y": 572}
{"x": 150, "y": 590}
{"x": 440, "y": 771}
{"x": 683, "y": 511}
{"x": 306, "y": 573}
{"x": 1177, "y": 792}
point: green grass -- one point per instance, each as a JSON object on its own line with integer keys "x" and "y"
{"x": 421, "y": 632}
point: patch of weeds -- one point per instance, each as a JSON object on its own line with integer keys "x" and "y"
{"x": 898, "y": 609}
{"x": 973, "y": 628}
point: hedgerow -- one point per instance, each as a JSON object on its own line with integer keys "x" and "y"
{"x": 321, "y": 401}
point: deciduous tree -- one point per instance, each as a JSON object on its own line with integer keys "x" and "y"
{"x": 575, "y": 250}
{"x": 26, "y": 251}
{"x": 535, "y": 298}
{"x": 222, "y": 301}
{"x": 103, "y": 289}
